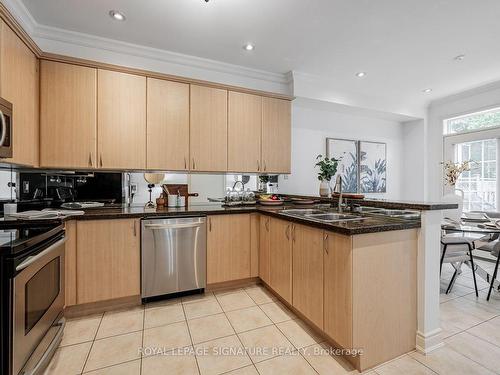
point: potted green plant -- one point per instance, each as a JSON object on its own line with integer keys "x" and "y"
{"x": 327, "y": 169}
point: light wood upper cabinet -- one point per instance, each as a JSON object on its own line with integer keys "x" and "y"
{"x": 68, "y": 116}
{"x": 107, "y": 259}
{"x": 338, "y": 288}
{"x": 19, "y": 85}
{"x": 208, "y": 134}
{"x": 308, "y": 272}
{"x": 280, "y": 259}
{"x": 228, "y": 248}
{"x": 276, "y": 135}
{"x": 244, "y": 132}
{"x": 264, "y": 249}
{"x": 121, "y": 120}
{"x": 167, "y": 125}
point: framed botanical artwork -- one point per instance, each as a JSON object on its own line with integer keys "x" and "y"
{"x": 372, "y": 167}
{"x": 347, "y": 151}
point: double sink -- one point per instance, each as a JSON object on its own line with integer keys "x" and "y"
{"x": 321, "y": 215}
{"x": 327, "y": 216}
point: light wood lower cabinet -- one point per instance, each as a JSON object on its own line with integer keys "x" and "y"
{"x": 70, "y": 266}
{"x": 307, "y": 272}
{"x": 228, "y": 248}
{"x": 280, "y": 258}
{"x": 264, "y": 249}
{"x": 338, "y": 288}
{"x": 19, "y": 84}
{"x": 107, "y": 259}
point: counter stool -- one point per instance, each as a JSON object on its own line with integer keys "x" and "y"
{"x": 457, "y": 250}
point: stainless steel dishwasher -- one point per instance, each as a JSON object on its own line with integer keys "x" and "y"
{"x": 174, "y": 255}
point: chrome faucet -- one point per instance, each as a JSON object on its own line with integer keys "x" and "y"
{"x": 242, "y": 185}
{"x": 338, "y": 189}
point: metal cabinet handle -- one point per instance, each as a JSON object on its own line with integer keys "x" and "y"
{"x": 325, "y": 243}
{"x": 265, "y": 167}
{"x": 90, "y": 159}
{"x": 293, "y": 232}
{"x": 185, "y": 163}
{"x": 287, "y": 232}
{"x": 267, "y": 224}
{"x": 194, "y": 164}
{"x": 258, "y": 165}
{"x": 209, "y": 224}
{"x": 100, "y": 160}
{"x": 135, "y": 231}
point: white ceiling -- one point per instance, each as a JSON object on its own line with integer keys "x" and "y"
{"x": 404, "y": 46}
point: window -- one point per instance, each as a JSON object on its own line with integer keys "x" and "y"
{"x": 473, "y": 121}
{"x": 480, "y": 183}
{"x": 475, "y": 137}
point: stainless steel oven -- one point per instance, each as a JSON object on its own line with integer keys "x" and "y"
{"x": 5, "y": 129}
{"x": 36, "y": 289}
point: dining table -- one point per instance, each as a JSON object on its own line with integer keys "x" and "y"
{"x": 482, "y": 232}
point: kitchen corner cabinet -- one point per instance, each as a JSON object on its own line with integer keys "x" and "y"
{"x": 276, "y": 135}
{"x": 19, "y": 84}
{"x": 280, "y": 258}
{"x": 208, "y": 133}
{"x": 228, "y": 248}
{"x": 121, "y": 120}
{"x": 107, "y": 259}
{"x": 167, "y": 125}
{"x": 307, "y": 272}
{"x": 244, "y": 132}
{"x": 68, "y": 111}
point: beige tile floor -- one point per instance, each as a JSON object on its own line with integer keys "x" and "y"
{"x": 186, "y": 333}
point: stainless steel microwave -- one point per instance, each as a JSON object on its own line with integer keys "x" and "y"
{"x": 5, "y": 129}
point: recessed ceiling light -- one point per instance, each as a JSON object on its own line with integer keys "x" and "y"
{"x": 249, "y": 47}
{"x": 117, "y": 15}
{"x": 427, "y": 90}
{"x": 459, "y": 57}
{"x": 360, "y": 74}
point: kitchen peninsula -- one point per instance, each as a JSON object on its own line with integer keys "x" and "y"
{"x": 355, "y": 282}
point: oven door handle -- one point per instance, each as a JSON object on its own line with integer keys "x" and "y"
{"x": 32, "y": 259}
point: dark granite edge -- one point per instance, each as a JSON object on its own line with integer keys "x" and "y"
{"x": 389, "y": 224}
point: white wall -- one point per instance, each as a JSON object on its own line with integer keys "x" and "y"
{"x": 413, "y": 161}
{"x": 478, "y": 99}
{"x": 311, "y": 125}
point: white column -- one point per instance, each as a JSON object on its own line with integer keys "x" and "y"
{"x": 428, "y": 281}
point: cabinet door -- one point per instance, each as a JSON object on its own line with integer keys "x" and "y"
{"x": 167, "y": 125}
{"x": 68, "y": 111}
{"x": 228, "y": 248}
{"x": 70, "y": 263}
{"x": 276, "y": 135}
{"x": 338, "y": 288}
{"x": 107, "y": 259}
{"x": 280, "y": 259}
{"x": 264, "y": 246}
{"x": 121, "y": 120}
{"x": 208, "y": 132}
{"x": 244, "y": 132}
{"x": 308, "y": 272}
{"x": 19, "y": 85}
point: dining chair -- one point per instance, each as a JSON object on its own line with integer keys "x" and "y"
{"x": 456, "y": 250}
{"x": 495, "y": 252}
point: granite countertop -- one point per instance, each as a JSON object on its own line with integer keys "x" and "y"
{"x": 370, "y": 224}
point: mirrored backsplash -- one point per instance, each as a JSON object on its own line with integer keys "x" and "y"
{"x": 39, "y": 189}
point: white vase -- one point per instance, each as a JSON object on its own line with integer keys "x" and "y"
{"x": 324, "y": 189}
{"x": 456, "y": 197}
